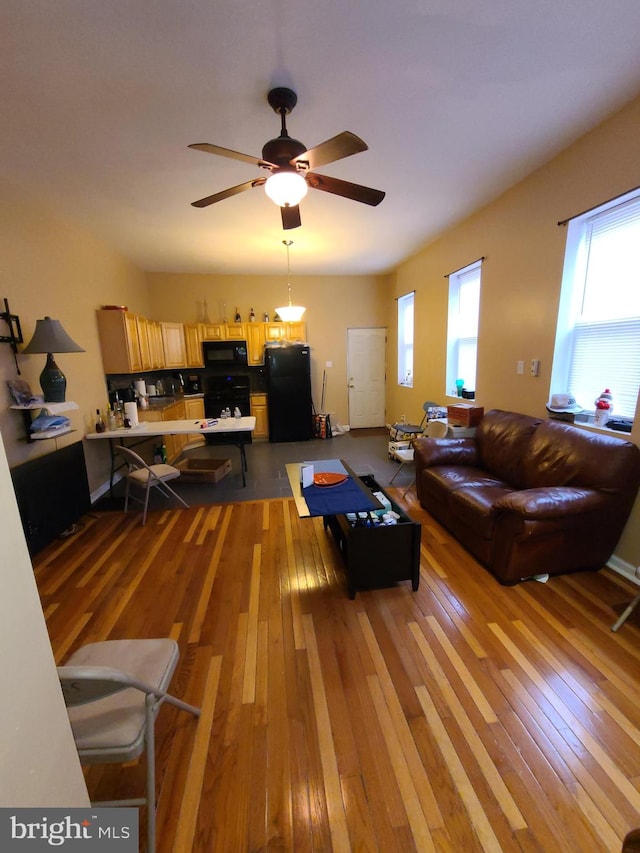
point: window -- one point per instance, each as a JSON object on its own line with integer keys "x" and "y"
{"x": 598, "y": 334}
{"x": 405, "y": 340}
{"x": 462, "y": 333}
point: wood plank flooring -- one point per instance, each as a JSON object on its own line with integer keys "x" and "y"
{"x": 464, "y": 717}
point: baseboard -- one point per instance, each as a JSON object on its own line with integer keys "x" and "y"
{"x": 104, "y": 488}
{"x": 627, "y": 570}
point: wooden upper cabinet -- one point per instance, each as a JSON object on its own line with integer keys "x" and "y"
{"x": 213, "y": 332}
{"x": 156, "y": 345}
{"x": 274, "y": 331}
{"x": 119, "y": 341}
{"x": 236, "y": 331}
{"x": 295, "y": 331}
{"x": 193, "y": 340}
{"x": 145, "y": 343}
{"x": 255, "y": 343}
{"x": 173, "y": 343}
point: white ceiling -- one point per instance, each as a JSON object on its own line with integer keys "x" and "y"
{"x": 457, "y": 100}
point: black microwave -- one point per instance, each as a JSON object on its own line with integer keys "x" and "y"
{"x": 224, "y": 353}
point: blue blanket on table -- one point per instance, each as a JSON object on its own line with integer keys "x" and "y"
{"x": 338, "y": 500}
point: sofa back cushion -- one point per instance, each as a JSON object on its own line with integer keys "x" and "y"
{"x": 563, "y": 455}
{"x": 502, "y": 439}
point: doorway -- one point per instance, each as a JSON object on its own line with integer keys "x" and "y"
{"x": 366, "y": 350}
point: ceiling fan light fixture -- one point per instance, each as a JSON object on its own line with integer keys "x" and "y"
{"x": 286, "y": 188}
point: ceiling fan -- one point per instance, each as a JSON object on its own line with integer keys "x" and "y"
{"x": 291, "y": 165}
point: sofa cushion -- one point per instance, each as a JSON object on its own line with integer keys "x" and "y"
{"x": 560, "y": 454}
{"x": 477, "y": 506}
{"x": 502, "y": 439}
{"x": 442, "y": 482}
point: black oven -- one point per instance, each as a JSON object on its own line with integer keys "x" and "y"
{"x": 226, "y": 391}
{"x": 224, "y": 353}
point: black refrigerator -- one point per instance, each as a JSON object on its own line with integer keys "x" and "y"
{"x": 288, "y": 374}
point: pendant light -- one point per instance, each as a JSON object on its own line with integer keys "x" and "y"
{"x": 290, "y": 313}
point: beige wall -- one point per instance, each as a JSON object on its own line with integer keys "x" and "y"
{"x": 521, "y": 276}
{"x": 40, "y": 765}
{"x": 52, "y": 267}
{"x": 333, "y": 304}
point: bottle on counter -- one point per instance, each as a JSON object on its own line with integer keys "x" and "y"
{"x": 112, "y": 420}
{"x": 252, "y": 316}
{"x": 237, "y": 413}
{"x": 100, "y": 424}
{"x": 238, "y": 318}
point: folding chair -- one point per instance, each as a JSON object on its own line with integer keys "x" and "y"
{"x": 113, "y": 691}
{"x": 148, "y": 477}
{"x": 434, "y": 429}
{"x": 412, "y": 429}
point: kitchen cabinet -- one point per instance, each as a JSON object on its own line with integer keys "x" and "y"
{"x": 259, "y": 412}
{"x": 173, "y": 344}
{"x": 155, "y": 344}
{"x": 236, "y": 331}
{"x": 274, "y": 331}
{"x": 285, "y": 331}
{"x": 255, "y": 343}
{"x": 119, "y": 341}
{"x": 144, "y": 342}
{"x": 172, "y": 412}
{"x": 213, "y": 332}
{"x": 193, "y": 340}
{"x": 295, "y": 332}
{"x": 194, "y": 411}
{"x": 224, "y": 331}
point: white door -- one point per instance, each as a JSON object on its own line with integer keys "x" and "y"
{"x": 366, "y": 377}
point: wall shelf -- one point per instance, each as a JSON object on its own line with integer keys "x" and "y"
{"x": 53, "y": 409}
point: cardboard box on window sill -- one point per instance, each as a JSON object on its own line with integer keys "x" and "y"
{"x": 205, "y": 470}
{"x": 464, "y": 414}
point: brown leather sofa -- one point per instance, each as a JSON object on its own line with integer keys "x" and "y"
{"x": 528, "y": 496}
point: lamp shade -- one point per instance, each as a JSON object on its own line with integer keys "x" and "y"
{"x": 290, "y": 313}
{"x": 49, "y": 336}
{"x": 286, "y": 188}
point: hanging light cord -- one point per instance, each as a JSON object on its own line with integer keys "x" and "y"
{"x": 288, "y": 243}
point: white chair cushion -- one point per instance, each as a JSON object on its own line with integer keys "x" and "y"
{"x": 117, "y": 722}
{"x": 164, "y": 472}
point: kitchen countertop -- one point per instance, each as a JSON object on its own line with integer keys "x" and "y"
{"x": 161, "y": 402}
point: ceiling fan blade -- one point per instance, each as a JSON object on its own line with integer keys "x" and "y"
{"x": 356, "y": 192}
{"x": 291, "y": 217}
{"x": 343, "y": 145}
{"x": 240, "y": 188}
{"x": 208, "y": 148}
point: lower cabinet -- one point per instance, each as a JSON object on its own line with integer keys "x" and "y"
{"x": 172, "y": 412}
{"x": 194, "y": 410}
{"x": 259, "y": 412}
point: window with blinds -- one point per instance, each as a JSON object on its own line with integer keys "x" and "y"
{"x": 598, "y": 340}
{"x": 462, "y": 331}
{"x": 405, "y": 340}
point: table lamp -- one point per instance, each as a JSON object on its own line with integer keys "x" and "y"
{"x": 49, "y": 337}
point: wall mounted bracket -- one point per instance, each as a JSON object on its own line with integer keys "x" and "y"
{"x": 15, "y": 332}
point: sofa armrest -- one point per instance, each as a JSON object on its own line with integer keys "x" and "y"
{"x": 445, "y": 451}
{"x": 551, "y": 502}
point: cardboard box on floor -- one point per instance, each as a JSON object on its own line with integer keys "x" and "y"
{"x": 209, "y": 470}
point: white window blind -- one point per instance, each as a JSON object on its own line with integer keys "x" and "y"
{"x": 405, "y": 340}
{"x": 462, "y": 335}
{"x": 602, "y": 326}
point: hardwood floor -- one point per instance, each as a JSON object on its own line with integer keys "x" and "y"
{"x": 464, "y": 717}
